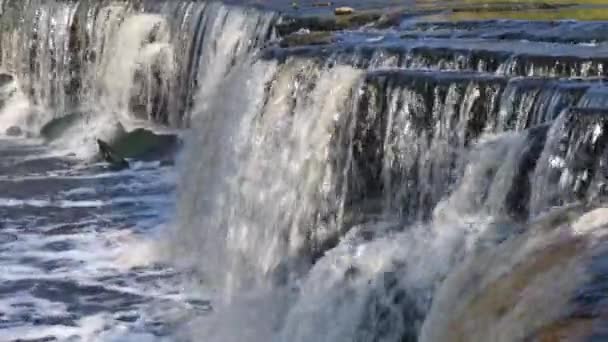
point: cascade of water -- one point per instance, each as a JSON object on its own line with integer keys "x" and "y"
{"x": 530, "y": 102}
{"x": 319, "y": 185}
{"x": 377, "y": 284}
{"x": 415, "y": 172}
{"x": 594, "y": 97}
{"x": 278, "y": 197}
{"x": 261, "y": 202}
{"x": 124, "y": 61}
{"x": 424, "y": 126}
{"x": 572, "y": 160}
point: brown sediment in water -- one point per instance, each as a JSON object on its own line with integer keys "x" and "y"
{"x": 543, "y": 285}
{"x": 571, "y": 329}
{"x": 502, "y": 296}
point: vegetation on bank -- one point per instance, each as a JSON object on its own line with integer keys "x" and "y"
{"x": 327, "y": 20}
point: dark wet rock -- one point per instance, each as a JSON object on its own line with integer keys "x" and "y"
{"x": 127, "y": 317}
{"x": 14, "y": 131}
{"x": 5, "y": 79}
{"x": 328, "y": 23}
{"x": 308, "y": 38}
{"x": 107, "y": 153}
{"x": 143, "y": 144}
{"x": 55, "y": 128}
{"x": 60, "y": 126}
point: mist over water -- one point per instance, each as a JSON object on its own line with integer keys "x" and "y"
{"x": 425, "y": 181}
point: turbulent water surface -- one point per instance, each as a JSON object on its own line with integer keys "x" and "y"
{"x": 175, "y": 170}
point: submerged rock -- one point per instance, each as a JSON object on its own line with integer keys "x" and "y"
{"x": 14, "y": 131}
{"x": 56, "y": 127}
{"x": 113, "y": 140}
{"x": 328, "y": 23}
{"x": 139, "y": 144}
{"x": 110, "y": 156}
{"x": 310, "y": 38}
{"x": 143, "y": 144}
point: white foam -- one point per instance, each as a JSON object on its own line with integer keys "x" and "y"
{"x": 40, "y": 203}
{"x": 593, "y": 223}
{"x": 92, "y": 255}
{"x": 17, "y": 111}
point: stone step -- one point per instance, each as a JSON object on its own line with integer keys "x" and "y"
{"x": 514, "y": 58}
{"x": 570, "y": 32}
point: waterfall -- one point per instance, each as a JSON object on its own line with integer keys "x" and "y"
{"x": 272, "y": 195}
{"x": 129, "y": 63}
{"x": 401, "y": 184}
{"x": 340, "y": 189}
{"x": 337, "y": 192}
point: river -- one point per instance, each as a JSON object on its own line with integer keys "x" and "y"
{"x": 249, "y": 171}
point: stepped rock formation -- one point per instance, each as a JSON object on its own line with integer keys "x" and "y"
{"x": 394, "y": 179}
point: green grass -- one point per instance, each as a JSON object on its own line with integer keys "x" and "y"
{"x": 585, "y": 10}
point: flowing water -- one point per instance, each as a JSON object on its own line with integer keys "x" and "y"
{"x": 400, "y": 177}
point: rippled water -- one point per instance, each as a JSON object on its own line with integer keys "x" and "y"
{"x": 74, "y": 253}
